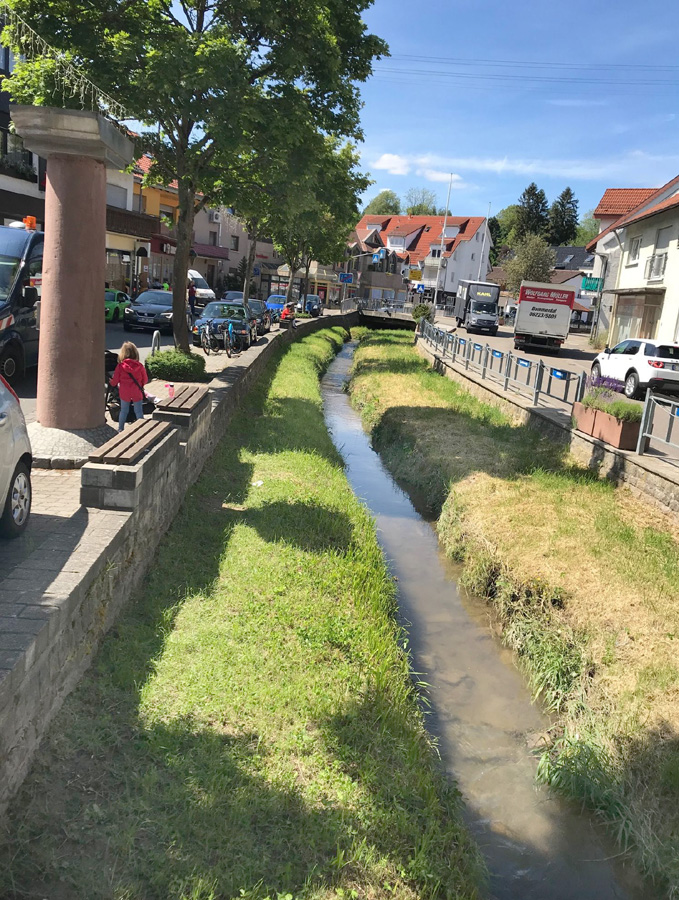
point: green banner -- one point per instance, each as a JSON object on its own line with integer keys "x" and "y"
{"x": 591, "y": 284}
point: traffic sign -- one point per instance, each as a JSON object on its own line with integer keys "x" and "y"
{"x": 415, "y": 274}
{"x": 346, "y": 277}
{"x": 256, "y": 270}
{"x": 420, "y": 289}
{"x": 591, "y": 284}
{"x": 383, "y": 252}
{"x": 376, "y": 258}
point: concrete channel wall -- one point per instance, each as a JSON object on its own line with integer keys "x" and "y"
{"x": 648, "y": 477}
{"x": 59, "y": 626}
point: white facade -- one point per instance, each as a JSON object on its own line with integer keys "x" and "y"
{"x": 468, "y": 262}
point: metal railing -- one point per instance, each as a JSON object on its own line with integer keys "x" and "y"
{"x": 652, "y": 406}
{"x": 513, "y": 372}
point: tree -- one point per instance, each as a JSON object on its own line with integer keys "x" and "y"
{"x": 563, "y": 219}
{"x": 386, "y": 203}
{"x": 533, "y": 261}
{"x": 507, "y": 219}
{"x": 587, "y": 230}
{"x": 532, "y": 216}
{"x": 198, "y": 73}
{"x": 420, "y": 202}
{"x": 495, "y": 231}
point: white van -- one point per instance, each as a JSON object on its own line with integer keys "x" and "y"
{"x": 204, "y": 292}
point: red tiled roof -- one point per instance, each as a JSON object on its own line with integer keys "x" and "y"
{"x": 620, "y": 201}
{"x": 210, "y": 251}
{"x": 430, "y": 228}
{"x": 404, "y": 230}
{"x": 667, "y": 203}
{"x": 561, "y": 276}
{"x": 144, "y": 163}
{"x": 638, "y": 213}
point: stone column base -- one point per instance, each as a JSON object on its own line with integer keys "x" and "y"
{"x": 56, "y": 448}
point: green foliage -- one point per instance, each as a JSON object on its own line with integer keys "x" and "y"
{"x": 386, "y": 203}
{"x": 423, "y": 310}
{"x": 504, "y": 228}
{"x": 175, "y": 365}
{"x": 532, "y": 216}
{"x": 587, "y": 230}
{"x": 533, "y": 261}
{"x": 420, "y": 202}
{"x": 216, "y": 83}
{"x": 605, "y": 400}
{"x": 563, "y": 219}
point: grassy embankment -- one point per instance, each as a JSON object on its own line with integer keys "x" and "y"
{"x": 584, "y": 577}
{"x": 250, "y": 728}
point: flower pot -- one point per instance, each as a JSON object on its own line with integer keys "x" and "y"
{"x": 623, "y": 435}
{"x": 585, "y": 418}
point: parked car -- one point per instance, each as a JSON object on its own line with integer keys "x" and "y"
{"x": 204, "y": 292}
{"x": 116, "y": 303}
{"x": 263, "y": 315}
{"x": 16, "y": 460}
{"x": 232, "y": 295}
{"x": 21, "y": 252}
{"x": 275, "y": 303}
{"x": 243, "y": 319}
{"x": 313, "y": 305}
{"x": 640, "y": 364}
{"x": 151, "y": 310}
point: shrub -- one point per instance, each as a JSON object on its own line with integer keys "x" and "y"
{"x": 602, "y": 398}
{"x": 174, "y": 365}
{"x": 423, "y": 310}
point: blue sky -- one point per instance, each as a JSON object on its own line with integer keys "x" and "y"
{"x": 428, "y": 113}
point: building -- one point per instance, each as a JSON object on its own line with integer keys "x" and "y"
{"x": 422, "y": 251}
{"x": 638, "y": 255}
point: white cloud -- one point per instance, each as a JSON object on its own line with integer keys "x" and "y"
{"x": 393, "y": 163}
{"x": 440, "y": 175}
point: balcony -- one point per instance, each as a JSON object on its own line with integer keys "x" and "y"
{"x": 655, "y": 267}
{"x": 126, "y": 221}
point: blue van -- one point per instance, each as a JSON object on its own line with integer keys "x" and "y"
{"x": 21, "y": 252}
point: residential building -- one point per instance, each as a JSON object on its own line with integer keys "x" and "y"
{"x": 639, "y": 256}
{"x": 437, "y": 251}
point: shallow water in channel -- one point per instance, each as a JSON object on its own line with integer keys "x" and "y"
{"x": 536, "y": 846}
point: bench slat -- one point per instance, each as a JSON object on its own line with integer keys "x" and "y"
{"x": 127, "y": 437}
{"x": 151, "y": 437}
{"x": 182, "y": 398}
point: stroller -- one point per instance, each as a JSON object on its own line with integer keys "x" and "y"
{"x": 111, "y": 395}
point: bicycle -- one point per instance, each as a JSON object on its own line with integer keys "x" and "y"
{"x": 208, "y": 339}
{"x": 231, "y": 340}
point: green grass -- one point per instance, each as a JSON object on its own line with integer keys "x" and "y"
{"x": 584, "y": 580}
{"x": 250, "y": 728}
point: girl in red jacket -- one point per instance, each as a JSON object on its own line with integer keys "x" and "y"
{"x": 130, "y": 377}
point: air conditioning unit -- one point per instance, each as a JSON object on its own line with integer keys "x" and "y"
{"x": 214, "y": 216}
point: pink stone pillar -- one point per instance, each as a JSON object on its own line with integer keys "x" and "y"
{"x": 78, "y": 146}
{"x": 71, "y": 360}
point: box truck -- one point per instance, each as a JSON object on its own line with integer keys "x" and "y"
{"x": 543, "y": 316}
{"x": 476, "y": 306}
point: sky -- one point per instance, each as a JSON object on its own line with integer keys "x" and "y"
{"x": 500, "y": 94}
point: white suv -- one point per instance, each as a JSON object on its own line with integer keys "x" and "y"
{"x": 15, "y": 465}
{"x": 640, "y": 364}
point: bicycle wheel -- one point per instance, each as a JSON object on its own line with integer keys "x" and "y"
{"x": 237, "y": 343}
{"x": 227, "y": 345}
{"x": 205, "y": 343}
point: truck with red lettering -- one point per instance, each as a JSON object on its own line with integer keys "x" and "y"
{"x": 543, "y": 315}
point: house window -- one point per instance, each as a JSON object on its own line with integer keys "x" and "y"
{"x": 435, "y": 252}
{"x": 473, "y": 255}
{"x": 212, "y": 238}
{"x": 634, "y": 249}
{"x": 234, "y": 241}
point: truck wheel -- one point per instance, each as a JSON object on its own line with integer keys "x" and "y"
{"x": 516, "y": 346}
{"x": 10, "y": 364}
{"x": 493, "y": 331}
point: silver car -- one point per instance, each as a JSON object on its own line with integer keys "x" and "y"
{"x": 15, "y": 465}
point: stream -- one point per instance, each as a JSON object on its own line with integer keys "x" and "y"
{"x": 536, "y": 846}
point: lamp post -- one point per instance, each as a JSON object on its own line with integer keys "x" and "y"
{"x": 443, "y": 237}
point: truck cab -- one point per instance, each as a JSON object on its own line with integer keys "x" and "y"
{"x": 21, "y": 253}
{"x": 476, "y": 306}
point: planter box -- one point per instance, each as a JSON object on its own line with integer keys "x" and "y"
{"x": 604, "y": 427}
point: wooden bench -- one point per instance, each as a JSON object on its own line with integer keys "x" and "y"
{"x": 127, "y": 448}
{"x": 185, "y": 400}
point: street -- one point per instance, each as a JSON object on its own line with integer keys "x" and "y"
{"x": 576, "y": 355}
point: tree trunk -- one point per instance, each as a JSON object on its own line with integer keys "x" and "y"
{"x": 252, "y": 255}
{"x": 187, "y": 199}
{"x": 293, "y": 264}
{"x": 305, "y": 285}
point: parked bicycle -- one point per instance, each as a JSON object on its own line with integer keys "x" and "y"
{"x": 209, "y": 340}
{"x": 231, "y": 340}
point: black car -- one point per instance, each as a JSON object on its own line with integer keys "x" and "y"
{"x": 220, "y": 312}
{"x": 258, "y": 307}
{"x": 151, "y": 310}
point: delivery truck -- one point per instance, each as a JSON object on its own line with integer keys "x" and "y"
{"x": 476, "y": 306}
{"x": 543, "y": 316}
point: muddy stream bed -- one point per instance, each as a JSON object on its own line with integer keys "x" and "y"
{"x": 537, "y": 847}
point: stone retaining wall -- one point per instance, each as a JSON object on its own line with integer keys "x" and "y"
{"x": 59, "y": 623}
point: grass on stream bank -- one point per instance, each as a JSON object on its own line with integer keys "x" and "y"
{"x": 584, "y": 578}
{"x": 250, "y": 728}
